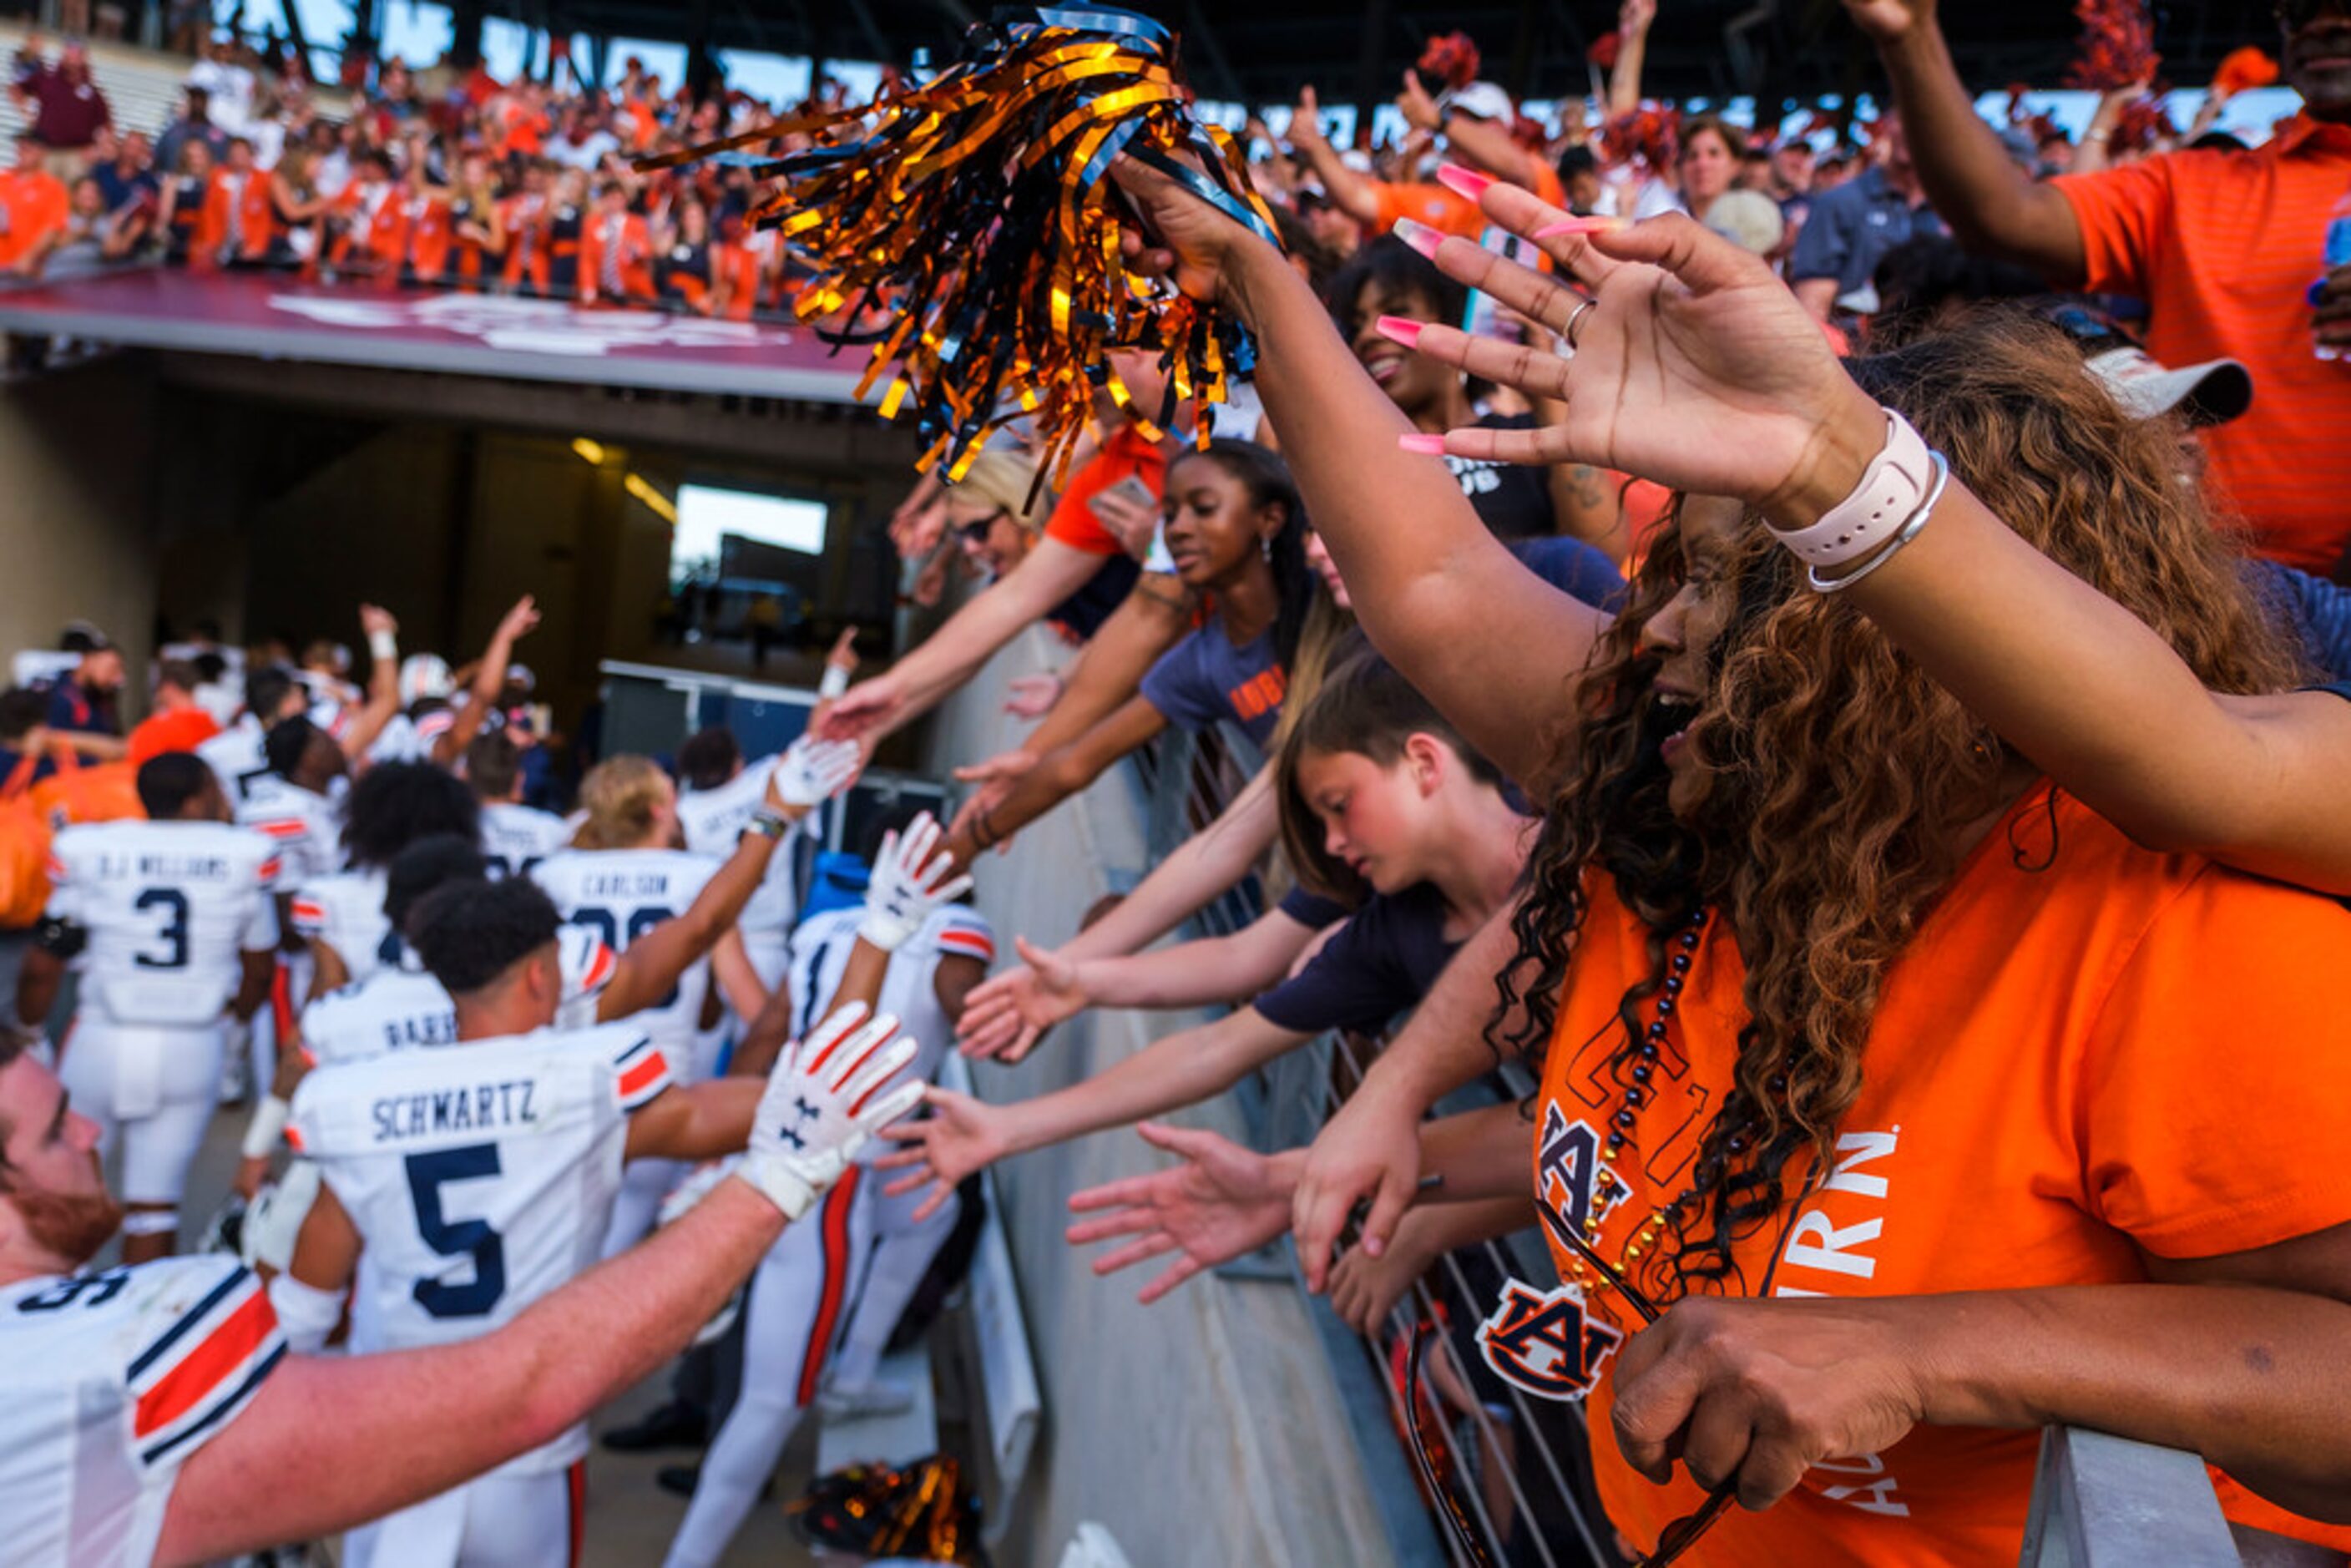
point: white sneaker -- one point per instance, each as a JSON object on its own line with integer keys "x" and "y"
{"x": 849, "y": 1402}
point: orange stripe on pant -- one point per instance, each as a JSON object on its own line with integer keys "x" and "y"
{"x": 577, "y": 1475}
{"x": 835, "y": 1221}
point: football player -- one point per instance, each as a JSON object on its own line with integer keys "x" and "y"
{"x": 152, "y": 1414}
{"x": 172, "y": 927}
{"x": 480, "y": 1177}
{"x": 907, "y": 942}
{"x": 341, "y": 915}
{"x": 515, "y": 836}
{"x": 622, "y": 880}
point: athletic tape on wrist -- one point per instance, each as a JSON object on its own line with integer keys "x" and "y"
{"x": 269, "y": 1127}
{"x": 1890, "y": 491}
{"x": 834, "y": 683}
{"x": 383, "y": 645}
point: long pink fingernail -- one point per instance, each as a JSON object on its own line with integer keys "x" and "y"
{"x": 1419, "y": 235}
{"x": 1467, "y": 184}
{"x": 1421, "y": 445}
{"x": 1596, "y": 224}
{"x": 1401, "y": 329}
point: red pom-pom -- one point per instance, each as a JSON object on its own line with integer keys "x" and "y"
{"x": 1449, "y": 62}
{"x": 2118, "y": 45}
{"x": 2140, "y": 125}
{"x": 1602, "y": 52}
{"x": 2243, "y": 68}
{"x": 1648, "y": 135}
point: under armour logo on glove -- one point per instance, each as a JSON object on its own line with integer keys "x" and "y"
{"x": 909, "y": 882}
{"x": 827, "y": 1095}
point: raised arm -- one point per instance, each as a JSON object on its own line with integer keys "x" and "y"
{"x": 1633, "y": 20}
{"x": 383, "y": 682}
{"x": 1488, "y": 641}
{"x": 1351, "y": 191}
{"x": 490, "y": 680}
{"x": 954, "y": 653}
{"x": 2067, "y": 676}
{"x": 1992, "y": 205}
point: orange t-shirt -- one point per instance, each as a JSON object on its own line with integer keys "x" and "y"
{"x": 37, "y": 205}
{"x": 2116, "y": 1053}
{"x": 179, "y": 730}
{"x": 1125, "y": 453}
{"x": 1432, "y": 205}
{"x": 2223, "y": 247}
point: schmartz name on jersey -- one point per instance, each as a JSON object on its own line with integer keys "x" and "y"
{"x": 473, "y": 1108}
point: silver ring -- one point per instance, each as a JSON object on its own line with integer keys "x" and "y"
{"x": 1575, "y": 320}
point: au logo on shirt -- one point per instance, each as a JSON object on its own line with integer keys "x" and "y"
{"x": 1543, "y": 1341}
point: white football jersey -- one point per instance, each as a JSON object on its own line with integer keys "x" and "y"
{"x": 171, "y": 909}
{"x": 479, "y": 1176}
{"x": 517, "y": 837}
{"x": 407, "y": 737}
{"x": 401, "y": 1005}
{"x": 110, "y": 1381}
{"x": 713, "y": 820}
{"x": 621, "y": 894}
{"x": 345, "y": 911}
{"x": 820, "y": 949}
{"x": 305, "y": 826}
{"x": 236, "y": 758}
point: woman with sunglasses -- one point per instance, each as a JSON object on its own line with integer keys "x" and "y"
{"x": 1837, "y": 1000}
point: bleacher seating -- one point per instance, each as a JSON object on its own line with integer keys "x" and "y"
{"x": 142, "y": 85}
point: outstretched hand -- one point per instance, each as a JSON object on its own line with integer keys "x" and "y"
{"x": 961, "y": 1135}
{"x": 1004, "y": 1017}
{"x": 1223, "y": 1201}
{"x": 1693, "y": 365}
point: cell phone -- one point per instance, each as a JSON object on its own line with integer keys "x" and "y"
{"x": 1482, "y": 317}
{"x": 1131, "y": 489}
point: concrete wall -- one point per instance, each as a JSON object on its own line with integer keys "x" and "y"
{"x": 1205, "y": 1429}
{"x": 76, "y": 513}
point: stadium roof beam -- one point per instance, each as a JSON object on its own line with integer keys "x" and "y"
{"x": 1805, "y": 49}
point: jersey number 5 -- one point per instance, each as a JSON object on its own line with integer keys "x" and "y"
{"x": 174, "y": 935}
{"x": 473, "y": 1238}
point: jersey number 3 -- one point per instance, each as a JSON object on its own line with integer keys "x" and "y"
{"x": 174, "y": 935}
{"x": 464, "y": 1237}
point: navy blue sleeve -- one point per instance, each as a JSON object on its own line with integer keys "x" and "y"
{"x": 1578, "y": 569}
{"x": 1823, "y": 246}
{"x": 1364, "y": 975}
{"x": 1178, "y": 685}
{"x": 1312, "y": 910}
{"x": 2318, "y": 610}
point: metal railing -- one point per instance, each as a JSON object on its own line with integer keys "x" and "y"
{"x": 1517, "y": 1468}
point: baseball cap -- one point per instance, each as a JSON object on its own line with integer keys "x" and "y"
{"x": 1748, "y": 219}
{"x": 2212, "y": 391}
{"x": 1480, "y": 100}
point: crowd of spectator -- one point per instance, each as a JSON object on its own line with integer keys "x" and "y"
{"x": 1825, "y": 656}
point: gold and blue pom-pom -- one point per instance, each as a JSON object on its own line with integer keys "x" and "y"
{"x": 970, "y": 213}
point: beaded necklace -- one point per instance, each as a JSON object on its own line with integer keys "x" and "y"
{"x": 1606, "y": 1188}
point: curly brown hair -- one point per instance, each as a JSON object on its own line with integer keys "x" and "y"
{"x": 1841, "y": 779}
